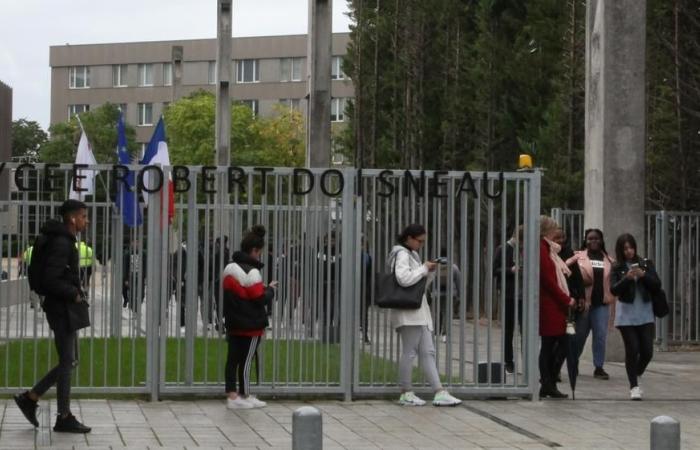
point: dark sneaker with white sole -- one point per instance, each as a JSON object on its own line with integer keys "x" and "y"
{"x": 28, "y": 407}
{"x": 70, "y": 424}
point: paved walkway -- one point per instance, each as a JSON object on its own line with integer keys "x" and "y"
{"x": 602, "y": 417}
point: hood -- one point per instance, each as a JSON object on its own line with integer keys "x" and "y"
{"x": 56, "y": 228}
{"x": 396, "y": 249}
{"x": 240, "y": 257}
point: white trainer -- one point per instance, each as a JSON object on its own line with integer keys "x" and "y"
{"x": 410, "y": 399}
{"x": 239, "y": 403}
{"x": 255, "y": 402}
{"x": 635, "y": 393}
{"x": 443, "y": 398}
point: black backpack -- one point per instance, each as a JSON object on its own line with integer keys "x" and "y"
{"x": 37, "y": 263}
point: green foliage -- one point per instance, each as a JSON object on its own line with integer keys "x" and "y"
{"x": 277, "y": 140}
{"x": 27, "y": 138}
{"x": 101, "y": 128}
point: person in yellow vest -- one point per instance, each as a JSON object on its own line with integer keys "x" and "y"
{"x": 24, "y": 260}
{"x": 85, "y": 255}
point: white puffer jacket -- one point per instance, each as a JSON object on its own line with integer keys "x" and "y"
{"x": 409, "y": 271}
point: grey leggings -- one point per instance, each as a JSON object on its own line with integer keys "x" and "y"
{"x": 417, "y": 341}
{"x": 61, "y": 374}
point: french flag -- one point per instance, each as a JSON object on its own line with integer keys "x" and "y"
{"x": 157, "y": 154}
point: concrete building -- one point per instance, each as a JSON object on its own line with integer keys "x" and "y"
{"x": 5, "y": 135}
{"x": 139, "y": 76}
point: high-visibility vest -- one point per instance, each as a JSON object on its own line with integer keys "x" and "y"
{"x": 85, "y": 254}
{"x": 27, "y": 255}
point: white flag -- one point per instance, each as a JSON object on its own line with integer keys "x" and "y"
{"x": 84, "y": 156}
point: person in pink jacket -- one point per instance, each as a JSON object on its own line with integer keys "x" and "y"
{"x": 595, "y": 265}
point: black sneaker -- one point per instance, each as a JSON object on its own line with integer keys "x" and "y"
{"x": 70, "y": 424}
{"x": 510, "y": 367}
{"x": 28, "y": 407}
{"x": 600, "y": 374}
{"x": 552, "y": 393}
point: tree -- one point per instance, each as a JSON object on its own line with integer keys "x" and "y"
{"x": 27, "y": 138}
{"x": 255, "y": 141}
{"x": 101, "y": 128}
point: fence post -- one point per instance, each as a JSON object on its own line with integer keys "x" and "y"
{"x": 307, "y": 429}
{"x": 665, "y": 433}
{"x": 531, "y": 302}
{"x": 662, "y": 261}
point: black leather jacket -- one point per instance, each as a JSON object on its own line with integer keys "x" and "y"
{"x": 625, "y": 288}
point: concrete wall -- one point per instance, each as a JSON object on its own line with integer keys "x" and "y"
{"x": 5, "y": 138}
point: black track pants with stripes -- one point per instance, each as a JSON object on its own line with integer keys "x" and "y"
{"x": 241, "y": 353}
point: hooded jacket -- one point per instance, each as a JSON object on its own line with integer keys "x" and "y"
{"x": 246, "y": 299}
{"x": 409, "y": 270}
{"x": 61, "y": 274}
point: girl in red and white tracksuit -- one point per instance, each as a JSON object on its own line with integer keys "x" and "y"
{"x": 246, "y": 304}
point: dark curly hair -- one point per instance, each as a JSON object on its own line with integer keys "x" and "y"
{"x": 414, "y": 230}
{"x": 254, "y": 238}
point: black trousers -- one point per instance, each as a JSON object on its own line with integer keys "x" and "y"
{"x": 552, "y": 350}
{"x": 66, "y": 342}
{"x": 510, "y": 327}
{"x": 241, "y": 352}
{"x": 639, "y": 348}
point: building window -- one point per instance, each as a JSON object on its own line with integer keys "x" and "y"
{"x": 252, "y": 104}
{"x": 145, "y": 114}
{"x": 119, "y": 75}
{"x": 248, "y": 71}
{"x": 211, "y": 78}
{"x": 290, "y": 69}
{"x": 291, "y": 103}
{"x": 337, "y": 68}
{"x": 79, "y": 77}
{"x": 77, "y": 109}
{"x": 167, "y": 74}
{"x": 337, "y": 110}
{"x": 145, "y": 74}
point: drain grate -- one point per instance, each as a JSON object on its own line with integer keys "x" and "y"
{"x": 512, "y": 427}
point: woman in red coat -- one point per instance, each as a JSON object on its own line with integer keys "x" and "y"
{"x": 554, "y": 306}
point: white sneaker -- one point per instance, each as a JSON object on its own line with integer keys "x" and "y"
{"x": 239, "y": 403}
{"x": 443, "y": 398}
{"x": 255, "y": 402}
{"x": 635, "y": 393}
{"x": 410, "y": 399}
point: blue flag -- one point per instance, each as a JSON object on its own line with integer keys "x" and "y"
{"x": 126, "y": 196}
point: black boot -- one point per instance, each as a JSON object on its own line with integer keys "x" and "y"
{"x": 70, "y": 424}
{"x": 550, "y": 390}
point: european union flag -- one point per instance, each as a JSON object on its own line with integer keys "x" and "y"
{"x": 126, "y": 197}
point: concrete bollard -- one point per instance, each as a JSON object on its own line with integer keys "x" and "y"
{"x": 665, "y": 433}
{"x": 307, "y": 429}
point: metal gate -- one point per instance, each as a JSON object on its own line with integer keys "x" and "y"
{"x": 156, "y": 296}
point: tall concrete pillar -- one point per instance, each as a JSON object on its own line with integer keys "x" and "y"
{"x": 318, "y": 142}
{"x": 615, "y": 123}
{"x": 222, "y": 133}
{"x": 5, "y": 140}
{"x": 177, "y": 53}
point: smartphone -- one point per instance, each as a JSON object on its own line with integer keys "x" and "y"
{"x": 440, "y": 260}
{"x": 634, "y": 266}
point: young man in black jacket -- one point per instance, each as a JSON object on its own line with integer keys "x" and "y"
{"x": 508, "y": 268}
{"x": 61, "y": 277}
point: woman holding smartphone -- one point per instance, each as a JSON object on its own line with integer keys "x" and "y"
{"x": 632, "y": 280}
{"x": 415, "y": 326}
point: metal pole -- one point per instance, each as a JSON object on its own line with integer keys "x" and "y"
{"x": 665, "y": 433}
{"x": 307, "y": 429}
{"x": 318, "y": 149}
{"x": 223, "y": 107}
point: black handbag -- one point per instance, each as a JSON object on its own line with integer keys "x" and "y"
{"x": 390, "y": 294}
{"x": 659, "y": 303}
{"x": 78, "y": 315}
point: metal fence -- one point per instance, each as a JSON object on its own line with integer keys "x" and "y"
{"x": 672, "y": 240}
{"x": 156, "y": 296}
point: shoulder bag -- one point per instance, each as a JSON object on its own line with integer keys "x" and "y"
{"x": 390, "y": 294}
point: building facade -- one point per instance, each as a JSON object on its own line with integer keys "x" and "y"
{"x": 140, "y": 76}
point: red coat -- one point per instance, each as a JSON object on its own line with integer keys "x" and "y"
{"x": 554, "y": 303}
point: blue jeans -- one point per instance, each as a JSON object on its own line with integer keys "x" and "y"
{"x": 597, "y": 320}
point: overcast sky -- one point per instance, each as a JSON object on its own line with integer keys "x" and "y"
{"x": 29, "y": 27}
